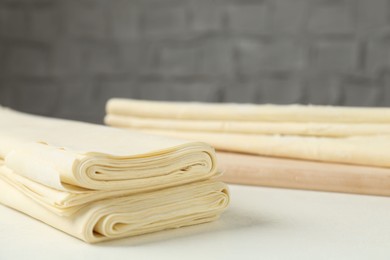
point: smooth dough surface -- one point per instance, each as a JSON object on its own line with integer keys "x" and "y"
{"x": 75, "y": 156}
{"x": 359, "y": 150}
{"x": 348, "y": 135}
{"x": 247, "y": 112}
{"x": 249, "y": 127}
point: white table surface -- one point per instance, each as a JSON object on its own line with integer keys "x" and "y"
{"x": 261, "y": 223}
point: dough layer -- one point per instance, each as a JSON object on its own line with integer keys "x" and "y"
{"x": 246, "y": 112}
{"x": 122, "y": 216}
{"x": 347, "y": 135}
{"x": 74, "y": 156}
{"x": 249, "y": 127}
{"x": 98, "y": 183}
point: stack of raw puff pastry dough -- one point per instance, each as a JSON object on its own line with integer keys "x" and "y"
{"x": 348, "y": 135}
{"x": 99, "y": 183}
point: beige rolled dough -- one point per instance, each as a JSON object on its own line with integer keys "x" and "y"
{"x": 247, "y": 112}
{"x": 359, "y": 150}
{"x": 246, "y": 127}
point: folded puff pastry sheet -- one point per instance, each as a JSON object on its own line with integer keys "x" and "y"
{"x": 358, "y": 150}
{"x": 75, "y": 156}
{"x": 348, "y": 135}
{"x": 249, "y": 127}
{"x": 93, "y": 219}
{"x": 98, "y": 183}
{"x": 246, "y": 112}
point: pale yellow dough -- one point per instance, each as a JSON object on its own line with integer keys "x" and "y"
{"x": 359, "y": 150}
{"x": 74, "y": 156}
{"x": 249, "y": 127}
{"x": 348, "y": 135}
{"x": 115, "y": 217}
{"x": 98, "y": 183}
{"x": 247, "y": 112}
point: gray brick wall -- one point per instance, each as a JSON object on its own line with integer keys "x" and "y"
{"x": 66, "y": 58}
